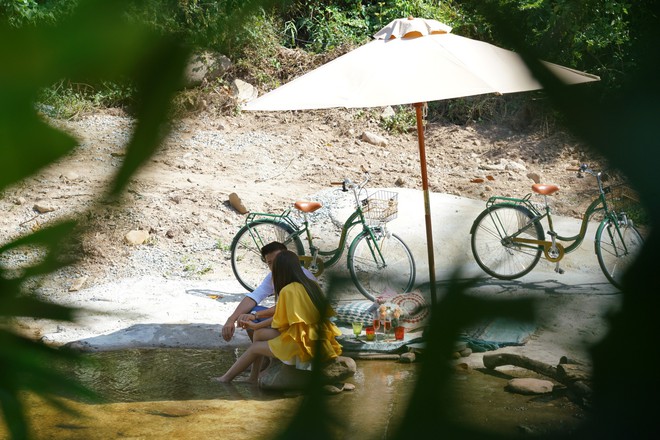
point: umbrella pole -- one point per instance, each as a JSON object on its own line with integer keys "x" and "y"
{"x": 427, "y": 203}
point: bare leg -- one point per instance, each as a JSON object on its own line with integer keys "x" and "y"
{"x": 256, "y": 369}
{"x": 264, "y": 334}
{"x": 257, "y": 349}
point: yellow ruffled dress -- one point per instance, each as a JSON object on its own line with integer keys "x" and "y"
{"x": 296, "y": 318}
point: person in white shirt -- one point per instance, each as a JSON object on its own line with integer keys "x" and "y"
{"x": 248, "y": 311}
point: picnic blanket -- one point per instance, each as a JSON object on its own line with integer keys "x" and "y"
{"x": 350, "y": 344}
{"x": 496, "y": 333}
{"x": 415, "y": 311}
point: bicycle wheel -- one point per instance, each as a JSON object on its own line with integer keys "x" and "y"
{"x": 492, "y": 248}
{"x": 246, "y": 261}
{"x": 616, "y": 249}
{"x": 373, "y": 275}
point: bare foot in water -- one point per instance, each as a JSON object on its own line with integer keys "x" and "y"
{"x": 220, "y": 379}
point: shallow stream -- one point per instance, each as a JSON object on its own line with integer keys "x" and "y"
{"x": 166, "y": 393}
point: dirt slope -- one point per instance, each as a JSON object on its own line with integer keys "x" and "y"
{"x": 269, "y": 160}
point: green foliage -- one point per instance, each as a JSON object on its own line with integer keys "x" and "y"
{"x": 17, "y": 13}
{"x": 403, "y": 121}
{"x": 321, "y": 26}
{"x": 590, "y": 35}
{"x": 66, "y": 100}
{"x": 94, "y": 42}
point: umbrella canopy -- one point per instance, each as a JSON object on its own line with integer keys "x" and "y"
{"x": 402, "y": 67}
{"x": 411, "y": 61}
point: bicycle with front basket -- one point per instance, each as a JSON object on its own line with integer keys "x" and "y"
{"x": 508, "y": 238}
{"x": 378, "y": 260}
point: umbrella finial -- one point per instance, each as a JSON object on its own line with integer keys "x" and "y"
{"x": 411, "y": 28}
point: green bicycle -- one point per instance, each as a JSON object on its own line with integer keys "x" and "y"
{"x": 508, "y": 238}
{"x": 378, "y": 261}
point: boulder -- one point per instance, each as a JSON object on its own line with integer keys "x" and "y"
{"x": 528, "y": 385}
{"x": 237, "y": 203}
{"x": 340, "y": 369}
{"x": 374, "y": 139}
{"x": 243, "y": 92}
{"x": 282, "y": 377}
{"x": 136, "y": 237}
{"x": 388, "y": 113}
{"x": 43, "y": 206}
{"x": 205, "y": 66}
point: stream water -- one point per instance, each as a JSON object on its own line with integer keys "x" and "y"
{"x": 166, "y": 393}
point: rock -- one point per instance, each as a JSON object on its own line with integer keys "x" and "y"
{"x": 135, "y": 238}
{"x": 527, "y": 385}
{"x": 77, "y": 284}
{"x": 332, "y": 389}
{"x": 237, "y": 204}
{"x": 205, "y": 66}
{"x": 515, "y": 166}
{"x": 281, "y": 377}
{"x": 340, "y": 369}
{"x": 407, "y": 358}
{"x": 494, "y": 167}
{"x": 349, "y": 387}
{"x": 374, "y": 139}
{"x": 242, "y": 91}
{"x": 70, "y": 176}
{"x": 388, "y": 113}
{"x": 535, "y": 177}
{"x": 338, "y": 388}
{"x": 19, "y": 201}
{"x": 43, "y": 207}
{"x": 399, "y": 182}
{"x": 465, "y": 352}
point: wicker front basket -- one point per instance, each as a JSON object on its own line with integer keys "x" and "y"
{"x": 381, "y": 206}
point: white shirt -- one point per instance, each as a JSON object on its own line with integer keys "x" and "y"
{"x": 266, "y": 288}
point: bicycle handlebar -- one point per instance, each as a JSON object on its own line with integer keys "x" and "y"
{"x": 584, "y": 168}
{"x": 347, "y": 184}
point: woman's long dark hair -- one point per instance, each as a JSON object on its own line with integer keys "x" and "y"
{"x": 287, "y": 270}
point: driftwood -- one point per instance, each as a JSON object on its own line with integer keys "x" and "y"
{"x": 365, "y": 355}
{"x": 571, "y": 375}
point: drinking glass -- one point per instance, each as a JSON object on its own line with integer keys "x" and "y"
{"x": 376, "y": 326}
{"x": 387, "y": 324}
{"x": 371, "y": 334}
{"x": 357, "y": 328}
{"x": 399, "y": 333}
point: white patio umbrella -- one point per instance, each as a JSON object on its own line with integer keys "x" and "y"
{"x": 411, "y": 61}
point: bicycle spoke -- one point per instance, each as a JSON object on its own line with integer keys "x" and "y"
{"x": 246, "y": 260}
{"x": 382, "y": 266}
{"x": 617, "y": 248}
{"x": 493, "y": 249}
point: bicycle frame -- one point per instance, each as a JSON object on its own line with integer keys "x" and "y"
{"x": 508, "y": 237}
{"x": 356, "y": 218}
{"x": 553, "y": 251}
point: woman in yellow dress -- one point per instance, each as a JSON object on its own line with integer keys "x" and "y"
{"x": 300, "y": 328}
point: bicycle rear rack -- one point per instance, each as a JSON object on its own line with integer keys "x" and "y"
{"x": 284, "y": 217}
{"x": 525, "y": 202}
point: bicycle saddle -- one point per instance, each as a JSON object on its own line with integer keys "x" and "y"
{"x": 306, "y": 206}
{"x": 544, "y": 189}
